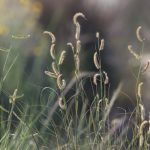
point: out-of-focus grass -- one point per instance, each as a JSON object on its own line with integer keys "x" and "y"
{"x": 22, "y": 59}
{"x": 21, "y": 43}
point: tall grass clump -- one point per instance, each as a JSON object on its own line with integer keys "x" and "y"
{"x": 64, "y": 115}
{"x": 141, "y": 131}
{"x": 84, "y": 122}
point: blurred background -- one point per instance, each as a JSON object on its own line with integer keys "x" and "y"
{"x": 24, "y": 50}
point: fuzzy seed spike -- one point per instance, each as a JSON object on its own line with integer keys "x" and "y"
{"x": 77, "y": 35}
{"x": 101, "y": 45}
{"x": 55, "y": 68}
{"x": 95, "y": 78}
{"x": 52, "y": 51}
{"x": 138, "y": 34}
{"x": 96, "y": 62}
{"x": 51, "y": 74}
{"x": 51, "y": 35}
{"x": 133, "y": 52}
{"x": 62, "y": 57}
{"x": 61, "y": 103}
{"x": 61, "y": 82}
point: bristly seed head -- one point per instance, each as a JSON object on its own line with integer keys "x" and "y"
{"x": 95, "y": 78}
{"x": 97, "y": 35}
{"x": 98, "y": 106}
{"x": 140, "y": 89}
{"x": 78, "y": 46}
{"x": 55, "y": 68}
{"x": 61, "y": 103}
{"x": 71, "y": 45}
{"x": 96, "y": 62}
{"x": 51, "y": 74}
{"x": 101, "y": 45}
{"x": 77, "y": 62}
{"x": 138, "y": 35}
{"x": 52, "y": 51}
{"x": 106, "y": 81}
{"x": 14, "y": 97}
{"x": 61, "y": 82}
{"x": 141, "y": 129}
{"x": 142, "y": 111}
{"x": 133, "y": 52}
{"x": 141, "y": 140}
{"x": 77, "y": 35}
{"x": 79, "y": 14}
{"x": 146, "y": 66}
{"x": 62, "y": 57}
{"x": 51, "y": 35}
